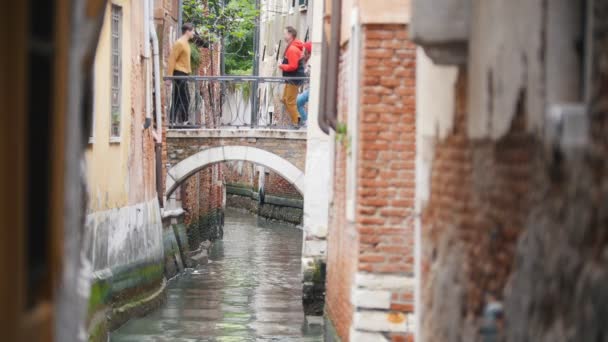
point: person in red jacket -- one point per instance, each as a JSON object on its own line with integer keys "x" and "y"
{"x": 292, "y": 66}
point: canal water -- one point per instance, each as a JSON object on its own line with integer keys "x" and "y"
{"x": 250, "y": 291}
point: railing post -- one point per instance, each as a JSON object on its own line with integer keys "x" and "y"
{"x": 254, "y": 104}
{"x": 256, "y": 69}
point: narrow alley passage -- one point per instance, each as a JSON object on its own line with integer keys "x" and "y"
{"x": 250, "y": 290}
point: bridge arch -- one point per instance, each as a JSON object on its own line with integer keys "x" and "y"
{"x": 194, "y": 163}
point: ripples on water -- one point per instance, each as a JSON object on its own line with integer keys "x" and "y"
{"x": 250, "y": 291}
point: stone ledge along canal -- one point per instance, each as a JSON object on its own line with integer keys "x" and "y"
{"x": 250, "y": 290}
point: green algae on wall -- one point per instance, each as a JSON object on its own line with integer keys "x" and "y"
{"x": 123, "y": 285}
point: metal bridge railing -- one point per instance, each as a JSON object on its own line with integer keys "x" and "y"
{"x": 228, "y": 101}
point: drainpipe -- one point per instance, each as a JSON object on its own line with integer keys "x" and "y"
{"x": 159, "y": 122}
{"x": 330, "y": 61}
{"x": 148, "y": 70}
{"x": 158, "y": 135}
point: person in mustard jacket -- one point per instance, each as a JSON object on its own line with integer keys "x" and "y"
{"x": 179, "y": 65}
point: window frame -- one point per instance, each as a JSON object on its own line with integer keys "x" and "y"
{"x": 116, "y": 71}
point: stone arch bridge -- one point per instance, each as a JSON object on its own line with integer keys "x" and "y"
{"x": 190, "y": 150}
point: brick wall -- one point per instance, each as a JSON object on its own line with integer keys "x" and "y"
{"x": 378, "y": 246}
{"x": 342, "y": 243}
{"x": 209, "y": 91}
{"x": 142, "y": 158}
{"x": 165, "y": 18}
{"x": 246, "y": 174}
{"x": 202, "y": 199}
{"x": 183, "y": 146}
{"x": 387, "y": 151}
{"x": 240, "y": 173}
{"x": 276, "y": 185}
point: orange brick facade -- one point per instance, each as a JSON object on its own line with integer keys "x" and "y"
{"x": 342, "y": 244}
{"x": 379, "y": 243}
{"x": 202, "y": 193}
{"x": 278, "y": 186}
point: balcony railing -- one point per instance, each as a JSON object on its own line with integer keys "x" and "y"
{"x": 228, "y": 101}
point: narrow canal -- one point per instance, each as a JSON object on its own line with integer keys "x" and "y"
{"x": 250, "y": 291}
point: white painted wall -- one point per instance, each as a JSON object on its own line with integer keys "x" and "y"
{"x": 435, "y": 96}
{"x": 318, "y": 162}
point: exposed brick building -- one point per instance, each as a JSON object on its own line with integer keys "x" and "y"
{"x": 510, "y": 170}
{"x": 370, "y": 266}
{"x": 202, "y": 195}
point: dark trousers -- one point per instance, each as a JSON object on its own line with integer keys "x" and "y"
{"x": 181, "y": 99}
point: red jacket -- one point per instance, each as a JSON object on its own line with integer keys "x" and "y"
{"x": 293, "y": 54}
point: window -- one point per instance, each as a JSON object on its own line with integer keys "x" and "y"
{"x": 89, "y": 103}
{"x": 116, "y": 63}
{"x": 291, "y": 8}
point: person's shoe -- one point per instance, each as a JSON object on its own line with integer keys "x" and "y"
{"x": 294, "y": 127}
{"x": 304, "y": 124}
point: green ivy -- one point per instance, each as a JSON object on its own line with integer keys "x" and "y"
{"x": 230, "y": 21}
{"x": 195, "y": 58}
{"x": 342, "y": 136}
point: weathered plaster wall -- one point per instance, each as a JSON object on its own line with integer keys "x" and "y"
{"x": 103, "y": 157}
{"x": 120, "y": 171}
{"x": 126, "y": 235}
{"x": 513, "y": 213}
{"x": 125, "y": 249}
{"x": 498, "y": 45}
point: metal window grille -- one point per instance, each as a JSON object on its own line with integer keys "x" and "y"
{"x": 116, "y": 63}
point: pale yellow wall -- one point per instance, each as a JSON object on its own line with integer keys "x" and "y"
{"x": 107, "y": 162}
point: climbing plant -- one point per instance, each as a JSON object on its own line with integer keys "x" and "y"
{"x": 232, "y": 21}
{"x": 195, "y": 58}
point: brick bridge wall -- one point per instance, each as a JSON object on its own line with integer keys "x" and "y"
{"x": 289, "y": 145}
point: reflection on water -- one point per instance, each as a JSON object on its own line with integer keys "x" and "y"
{"x": 250, "y": 291}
